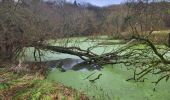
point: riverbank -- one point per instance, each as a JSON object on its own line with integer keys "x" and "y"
{"x": 17, "y": 86}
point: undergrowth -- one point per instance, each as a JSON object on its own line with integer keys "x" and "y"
{"x": 34, "y": 87}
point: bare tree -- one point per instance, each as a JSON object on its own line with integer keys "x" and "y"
{"x": 21, "y": 27}
{"x": 144, "y": 18}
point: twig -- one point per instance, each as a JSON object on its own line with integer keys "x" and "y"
{"x": 98, "y": 77}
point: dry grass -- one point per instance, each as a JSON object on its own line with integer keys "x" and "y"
{"x": 34, "y": 87}
{"x": 158, "y": 37}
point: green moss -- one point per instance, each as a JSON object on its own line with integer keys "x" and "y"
{"x": 4, "y": 86}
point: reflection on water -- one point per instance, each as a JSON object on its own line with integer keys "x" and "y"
{"x": 73, "y": 64}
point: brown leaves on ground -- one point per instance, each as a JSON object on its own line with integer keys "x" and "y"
{"x": 8, "y": 94}
{"x": 34, "y": 86}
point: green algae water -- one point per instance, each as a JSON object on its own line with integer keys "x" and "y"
{"x": 112, "y": 84}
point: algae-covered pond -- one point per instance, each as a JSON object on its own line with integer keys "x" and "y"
{"x": 112, "y": 84}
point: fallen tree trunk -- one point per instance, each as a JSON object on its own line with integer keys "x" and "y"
{"x": 88, "y": 56}
{"x": 83, "y": 54}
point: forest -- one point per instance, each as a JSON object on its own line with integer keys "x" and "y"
{"x": 61, "y": 50}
